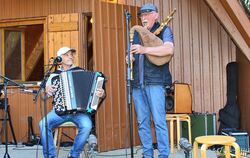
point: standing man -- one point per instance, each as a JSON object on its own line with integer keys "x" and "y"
{"x": 148, "y": 86}
{"x": 81, "y": 120}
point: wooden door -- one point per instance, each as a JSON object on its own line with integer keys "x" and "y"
{"x": 64, "y": 30}
{"x": 109, "y": 33}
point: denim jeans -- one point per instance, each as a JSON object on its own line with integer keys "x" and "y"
{"x": 83, "y": 123}
{"x": 151, "y": 99}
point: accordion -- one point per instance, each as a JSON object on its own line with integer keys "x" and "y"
{"x": 75, "y": 91}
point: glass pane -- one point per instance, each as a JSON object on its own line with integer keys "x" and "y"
{"x": 12, "y": 54}
{"x": 34, "y": 52}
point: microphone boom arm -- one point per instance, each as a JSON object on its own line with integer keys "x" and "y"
{"x": 45, "y": 79}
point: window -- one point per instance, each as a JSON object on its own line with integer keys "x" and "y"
{"x": 22, "y": 52}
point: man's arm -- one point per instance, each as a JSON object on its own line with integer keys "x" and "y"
{"x": 50, "y": 89}
{"x": 166, "y": 49}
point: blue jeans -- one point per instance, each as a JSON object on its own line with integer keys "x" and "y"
{"x": 83, "y": 123}
{"x": 151, "y": 99}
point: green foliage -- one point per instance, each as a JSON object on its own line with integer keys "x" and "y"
{"x": 246, "y": 5}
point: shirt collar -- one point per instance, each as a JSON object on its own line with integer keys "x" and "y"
{"x": 61, "y": 68}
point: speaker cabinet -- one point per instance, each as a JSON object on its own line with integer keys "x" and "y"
{"x": 182, "y": 97}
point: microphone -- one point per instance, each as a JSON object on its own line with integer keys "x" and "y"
{"x": 57, "y": 59}
{"x": 92, "y": 145}
{"x": 29, "y": 91}
{"x": 127, "y": 14}
{"x": 92, "y": 141}
{"x": 185, "y": 145}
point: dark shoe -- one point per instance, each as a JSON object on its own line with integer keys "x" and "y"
{"x": 69, "y": 156}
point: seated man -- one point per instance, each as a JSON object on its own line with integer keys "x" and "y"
{"x": 82, "y": 120}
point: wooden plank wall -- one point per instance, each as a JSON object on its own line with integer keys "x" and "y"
{"x": 21, "y": 106}
{"x": 109, "y": 54}
{"x": 244, "y": 91}
{"x": 202, "y": 47}
{"x": 12, "y": 9}
{"x": 63, "y": 30}
{"x": 202, "y": 50}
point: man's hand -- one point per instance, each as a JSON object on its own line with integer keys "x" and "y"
{"x": 132, "y": 59}
{"x": 137, "y": 48}
{"x": 163, "y": 50}
{"x": 50, "y": 90}
{"x": 100, "y": 93}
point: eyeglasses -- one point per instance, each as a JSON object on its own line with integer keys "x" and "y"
{"x": 146, "y": 14}
{"x": 69, "y": 54}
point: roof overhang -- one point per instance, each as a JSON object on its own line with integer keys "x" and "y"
{"x": 235, "y": 21}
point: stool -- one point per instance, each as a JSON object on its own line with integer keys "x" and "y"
{"x": 58, "y": 133}
{"x": 7, "y": 119}
{"x": 211, "y": 140}
{"x": 178, "y": 118}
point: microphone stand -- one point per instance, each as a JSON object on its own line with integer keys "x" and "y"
{"x": 42, "y": 87}
{"x": 129, "y": 93}
{"x": 6, "y": 80}
{"x": 186, "y": 146}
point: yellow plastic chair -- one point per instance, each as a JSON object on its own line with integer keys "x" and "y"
{"x": 211, "y": 140}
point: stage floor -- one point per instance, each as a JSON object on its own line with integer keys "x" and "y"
{"x": 22, "y": 151}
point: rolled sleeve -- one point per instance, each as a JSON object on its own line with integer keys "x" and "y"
{"x": 168, "y": 35}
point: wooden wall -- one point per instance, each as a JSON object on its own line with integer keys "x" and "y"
{"x": 21, "y": 106}
{"x": 63, "y": 30}
{"x": 202, "y": 50}
{"x": 244, "y": 91}
{"x": 12, "y": 9}
{"x": 112, "y": 121}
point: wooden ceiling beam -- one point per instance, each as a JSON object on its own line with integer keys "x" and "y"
{"x": 229, "y": 26}
{"x": 239, "y": 18}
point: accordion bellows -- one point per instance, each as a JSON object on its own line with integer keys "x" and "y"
{"x": 76, "y": 91}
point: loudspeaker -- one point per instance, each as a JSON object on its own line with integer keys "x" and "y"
{"x": 181, "y": 101}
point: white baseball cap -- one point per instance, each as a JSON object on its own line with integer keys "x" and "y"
{"x": 64, "y": 50}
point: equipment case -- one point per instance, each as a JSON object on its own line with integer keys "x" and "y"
{"x": 241, "y": 136}
{"x": 201, "y": 124}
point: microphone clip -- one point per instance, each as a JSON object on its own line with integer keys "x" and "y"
{"x": 57, "y": 60}
{"x": 29, "y": 90}
{"x": 127, "y": 14}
